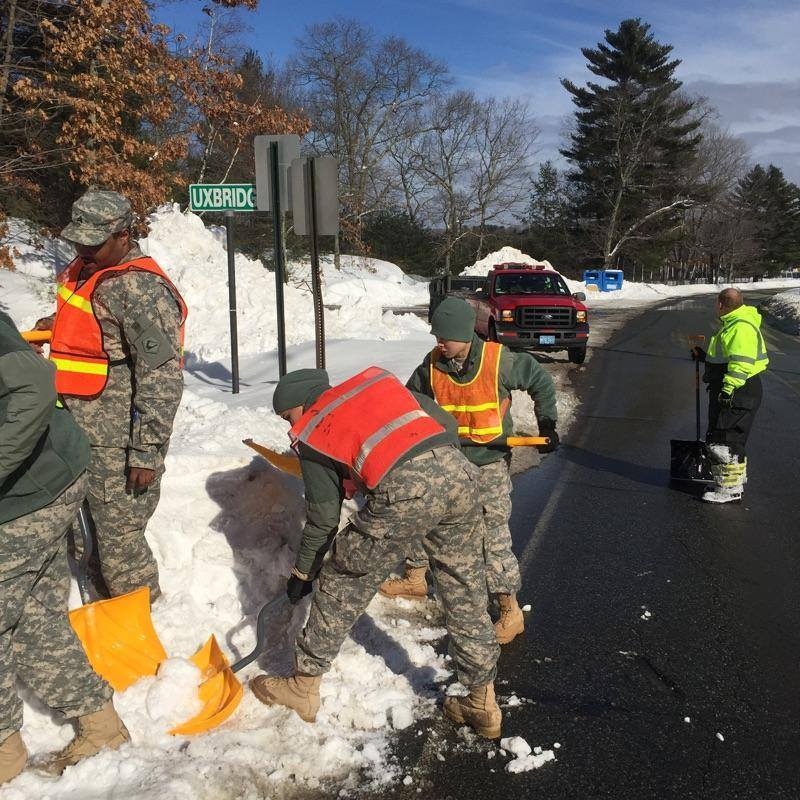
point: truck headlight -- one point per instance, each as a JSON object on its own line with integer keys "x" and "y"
{"x": 507, "y": 315}
{"x": 580, "y": 316}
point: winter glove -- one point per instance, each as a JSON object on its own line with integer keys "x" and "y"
{"x": 298, "y": 587}
{"x": 698, "y": 354}
{"x": 548, "y": 428}
{"x": 725, "y": 401}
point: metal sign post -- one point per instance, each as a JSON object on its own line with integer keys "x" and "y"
{"x": 315, "y": 212}
{"x": 229, "y": 198}
{"x": 232, "y": 302}
{"x": 279, "y": 266}
{"x": 274, "y": 154}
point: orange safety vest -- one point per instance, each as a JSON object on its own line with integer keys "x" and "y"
{"x": 368, "y": 423}
{"x": 475, "y": 404}
{"x": 76, "y": 347}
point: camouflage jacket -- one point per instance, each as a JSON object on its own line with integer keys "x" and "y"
{"x": 138, "y": 405}
{"x": 517, "y": 371}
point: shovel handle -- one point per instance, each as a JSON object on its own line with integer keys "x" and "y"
{"x": 509, "y": 441}
{"x": 85, "y": 527}
{"x": 261, "y": 635}
{"x": 37, "y": 337}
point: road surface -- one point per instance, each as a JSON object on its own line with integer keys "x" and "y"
{"x": 663, "y": 649}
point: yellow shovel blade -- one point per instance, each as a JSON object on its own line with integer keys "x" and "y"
{"x": 220, "y": 691}
{"x": 283, "y": 461}
{"x": 118, "y": 637}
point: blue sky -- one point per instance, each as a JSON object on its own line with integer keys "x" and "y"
{"x": 741, "y": 55}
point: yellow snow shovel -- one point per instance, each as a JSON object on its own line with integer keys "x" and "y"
{"x": 117, "y": 634}
{"x": 285, "y": 462}
{"x": 122, "y": 646}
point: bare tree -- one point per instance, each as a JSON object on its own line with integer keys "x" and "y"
{"x": 503, "y": 143}
{"x": 361, "y": 94}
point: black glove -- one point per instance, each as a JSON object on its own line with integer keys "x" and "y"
{"x": 548, "y": 428}
{"x": 725, "y": 400}
{"x": 297, "y": 589}
{"x": 698, "y": 354}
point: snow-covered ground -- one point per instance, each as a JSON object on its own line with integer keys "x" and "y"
{"x": 785, "y": 309}
{"x": 228, "y": 524}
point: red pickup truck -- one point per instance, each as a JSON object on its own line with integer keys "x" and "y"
{"x": 523, "y": 306}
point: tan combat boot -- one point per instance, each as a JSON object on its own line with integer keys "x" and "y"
{"x": 478, "y": 709}
{"x": 97, "y": 731}
{"x": 511, "y": 623}
{"x": 412, "y": 585}
{"x": 13, "y": 757}
{"x": 300, "y": 693}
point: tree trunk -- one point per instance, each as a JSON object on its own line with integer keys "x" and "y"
{"x": 337, "y": 253}
{"x": 8, "y": 52}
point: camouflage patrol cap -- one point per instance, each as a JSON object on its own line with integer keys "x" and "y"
{"x": 97, "y": 215}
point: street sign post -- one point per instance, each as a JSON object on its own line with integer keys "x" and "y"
{"x": 227, "y": 198}
{"x": 274, "y": 155}
{"x": 315, "y": 213}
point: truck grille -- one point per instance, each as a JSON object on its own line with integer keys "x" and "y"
{"x": 544, "y": 317}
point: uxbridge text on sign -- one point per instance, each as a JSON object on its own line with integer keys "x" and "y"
{"x": 222, "y": 197}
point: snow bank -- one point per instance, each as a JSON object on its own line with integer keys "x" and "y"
{"x": 784, "y": 308}
{"x": 196, "y": 260}
{"x": 501, "y": 256}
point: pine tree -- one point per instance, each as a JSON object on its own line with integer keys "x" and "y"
{"x": 772, "y": 207}
{"x": 634, "y": 134}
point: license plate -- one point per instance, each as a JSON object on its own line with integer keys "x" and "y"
{"x": 545, "y": 339}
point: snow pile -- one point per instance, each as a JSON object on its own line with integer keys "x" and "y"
{"x": 642, "y": 293}
{"x": 196, "y": 260}
{"x": 525, "y": 758}
{"x": 785, "y": 308}
{"x": 501, "y": 256}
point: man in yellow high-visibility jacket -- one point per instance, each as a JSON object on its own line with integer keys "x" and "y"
{"x": 736, "y": 357}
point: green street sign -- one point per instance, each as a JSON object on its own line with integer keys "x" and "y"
{"x": 222, "y": 197}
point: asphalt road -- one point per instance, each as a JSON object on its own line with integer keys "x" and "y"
{"x": 602, "y": 540}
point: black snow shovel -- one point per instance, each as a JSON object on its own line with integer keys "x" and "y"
{"x": 690, "y": 463}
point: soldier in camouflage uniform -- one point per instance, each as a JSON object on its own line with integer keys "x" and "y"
{"x": 428, "y": 498}
{"x": 43, "y": 455}
{"x": 459, "y": 361}
{"x": 129, "y": 421}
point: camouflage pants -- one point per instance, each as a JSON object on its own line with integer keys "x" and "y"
{"x": 120, "y": 519}
{"x": 431, "y": 499}
{"x": 37, "y": 644}
{"x": 502, "y": 568}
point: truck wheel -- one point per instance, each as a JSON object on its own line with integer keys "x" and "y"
{"x": 492, "y": 337}
{"x": 577, "y": 355}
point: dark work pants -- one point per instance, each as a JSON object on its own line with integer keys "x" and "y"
{"x": 731, "y": 426}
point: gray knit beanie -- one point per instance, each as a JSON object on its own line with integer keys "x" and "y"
{"x": 454, "y": 320}
{"x": 298, "y": 388}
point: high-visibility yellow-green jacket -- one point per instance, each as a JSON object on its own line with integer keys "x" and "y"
{"x": 739, "y": 345}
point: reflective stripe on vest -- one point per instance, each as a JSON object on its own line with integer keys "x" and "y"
{"x": 368, "y": 423}
{"x": 475, "y": 404}
{"x": 76, "y": 347}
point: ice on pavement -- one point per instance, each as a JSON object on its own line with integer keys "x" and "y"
{"x": 525, "y": 759}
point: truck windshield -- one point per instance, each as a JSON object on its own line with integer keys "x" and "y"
{"x": 535, "y": 283}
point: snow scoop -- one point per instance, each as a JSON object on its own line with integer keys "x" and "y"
{"x": 690, "y": 464}
{"x": 122, "y": 645}
{"x": 221, "y": 692}
{"x": 117, "y": 634}
{"x": 286, "y": 462}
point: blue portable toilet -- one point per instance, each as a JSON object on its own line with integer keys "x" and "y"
{"x": 611, "y": 280}
{"x": 593, "y": 277}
